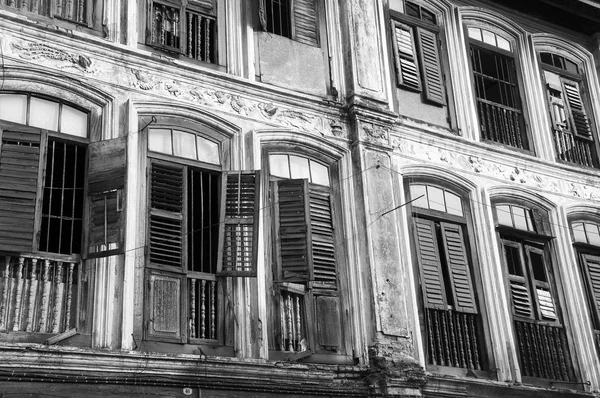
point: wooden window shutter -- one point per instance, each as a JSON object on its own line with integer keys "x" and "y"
{"x": 519, "y": 289}
{"x": 428, "y": 255}
{"x": 322, "y": 241}
{"x": 581, "y": 123}
{"x": 458, "y": 264}
{"x": 327, "y": 313}
{"x": 430, "y": 61}
{"x": 20, "y": 165}
{"x": 305, "y": 22}
{"x": 293, "y": 232}
{"x": 106, "y": 180}
{"x": 163, "y": 298}
{"x": 591, "y": 270}
{"x": 543, "y": 290}
{"x": 238, "y": 235}
{"x": 166, "y": 214}
{"x": 541, "y": 222}
{"x": 407, "y": 67}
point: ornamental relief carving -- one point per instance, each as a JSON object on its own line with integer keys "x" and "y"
{"x": 484, "y": 167}
{"x": 35, "y": 51}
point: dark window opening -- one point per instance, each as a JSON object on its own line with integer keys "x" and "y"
{"x": 416, "y": 11}
{"x": 513, "y": 261}
{"x": 62, "y": 205}
{"x": 278, "y": 17}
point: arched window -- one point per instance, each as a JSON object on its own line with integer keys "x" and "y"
{"x": 524, "y": 233}
{"x": 441, "y": 228}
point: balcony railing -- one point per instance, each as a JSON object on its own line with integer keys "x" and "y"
{"x": 202, "y": 307}
{"x": 543, "y": 351}
{"x": 574, "y": 149}
{"x": 292, "y": 322}
{"x": 73, "y": 10}
{"x": 38, "y": 294}
{"x": 502, "y": 124}
{"x": 453, "y": 339}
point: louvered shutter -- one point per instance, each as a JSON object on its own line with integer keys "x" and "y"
{"x": 543, "y": 290}
{"x": 591, "y": 270}
{"x": 581, "y": 123}
{"x": 407, "y": 67}
{"x": 166, "y": 214}
{"x": 432, "y": 281}
{"x": 106, "y": 180}
{"x": 19, "y": 180}
{"x": 293, "y": 232}
{"x": 322, "y": 236}
{"x": 519, "y": 289}
{"x": 433, "y": 82}
{"x": 305, "y": 22}
{"x": 238, "y": 235}
{"x": 458, "y": 264}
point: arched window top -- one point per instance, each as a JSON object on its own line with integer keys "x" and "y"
{"x": 44, "y": 113}
{"x": 559, "y": 61}
{"x": 418, "y": 11}
{"x": 515, "y": 216}
{"x": 183, "y": 144}
{"x": 427, "y": 196}
{"x": 293, "y": 166}
{"x": 489, "y": 37}
{"x": 586, "y": 232}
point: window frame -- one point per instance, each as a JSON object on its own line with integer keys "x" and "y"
{"x": 305, "y": 38}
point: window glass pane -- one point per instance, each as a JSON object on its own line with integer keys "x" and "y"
{"x": 43, "y": 114}
{"x": 546, "y": 58}
{"x": 489, "y": 37}
{"x": 159, "y": 140}
{"x": 503, "y": 43}
{"x": 397, "y": 5}
{"x": 319, "y": 173}
{"x": 592, "y": 234}
{"x": 73, "y": 122}
{"x": 454, "y": 204}
{"x": 412, "y": 9}
{"x": 475, "y": 33}
{"x": 578, "y": 233}
{"x": 529, "y": 221}
{"x": 436, "y": 199}
{"x": 279, "y": 166}
{"x": 427, "y": 16}
{"x": 503, "y": 215}
{"x": 299, "y": 167}
{"x": 184, "y": 144}
{"x": 519, "y": 218}
{"x": 208, "y": 151}
{"x": 13, "y": 108}
{"x": 418, "y": 194}
{"x": 571, "y": 66}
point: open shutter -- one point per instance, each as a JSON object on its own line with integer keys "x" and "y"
{"x": 166, "y": 214}
{"x": 581, "y": 123}
{"x": 238, "y": 235}
{"x": 292, "y": 221}
{"x": 541, "y": 284}
{"x": 519, "y": 290}
{"x": 430, "y": 61}
{"x": 19, "y": 179}
{"x": 163, "y": 318}
{"x": 106, "y": 180}
{"x": 305, "y": 22}
{"x": 458, "y": 263}
{"x": 407, "y": 67}
{"x": 322, "y": 236}
{"x": 428, "y": 254}
{"x": 591, "y": 270}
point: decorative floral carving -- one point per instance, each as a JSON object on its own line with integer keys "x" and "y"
{"x": 33, "y": 51}
{"x": 376, "y": 132}
{"x": 516, "y": 175}
{"x": 143, "y": 80}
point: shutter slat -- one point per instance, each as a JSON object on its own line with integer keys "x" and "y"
{"x": 430, "y": 265}
{"x": 591, "y": 265}
{"x": 305, "y": 22}
{"x": 457, "y": 260}
{"x": 323, "y": 242}
{"x": 407, "y": 69}
{"x": 430, "y": 60}
{"x": 520, "y": 298}
{"x": 581, "y": 122}
{"x": 546, "y": 303}
{"x": 20, "y": 156}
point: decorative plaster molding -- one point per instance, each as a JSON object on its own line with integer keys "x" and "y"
{"x": 478, "y": 165}
{"x": 375, "y": 134}
{"x": 35, "y": 51}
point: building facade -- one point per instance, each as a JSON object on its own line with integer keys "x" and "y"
{"x": 300, "y": 197}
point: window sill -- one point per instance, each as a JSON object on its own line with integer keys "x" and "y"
{"x": 172, "y": 56}
{"x": 462, "y": 372}
{"x": 557, "y": 384}
{"x": 79, "y": 340}
{"x": 193, "y": 349}
{"x": 327, "y": 359}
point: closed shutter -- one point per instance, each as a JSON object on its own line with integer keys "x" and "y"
{"x": 166, "y": 214}
{"x": 327, "y": 313}
{"x": 581, "y": 123}
{"x": 407, "y": 67}
{"x": 430, "y": 61}
{"x": 322, "y": 236}
{"x": 19, "y": 180}
{"x": 458, "y": 264}
{"x": 106, "y": 180}
{"x": 305, "y": 22}
{"x": 591, "y": 270}
{"x": 238, "y": 234}
{"x": 432, "y": 281}
{"x": 293, "y": 233}
{"x": 519, "y": 289}
{"x": 163, "y": 316}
